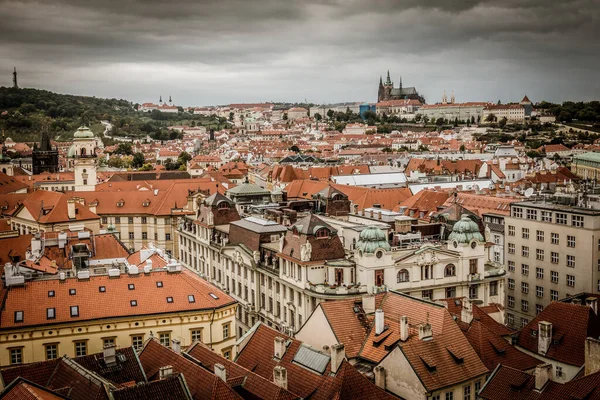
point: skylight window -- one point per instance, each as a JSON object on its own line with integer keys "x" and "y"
{"x": 50, "y": 313}
{"x": 191, "y": 298}
{"x": 102, "y": 289}
{"x": 18, "y": 316}
{"x": 169, "y": 299}
{"x": 159, "y": 284}
{"x": 133, "y": 303}
{"x": 74, "y": 311}
{"x": 72, "y": 292}
{"x": 51, "y": 293}
{"x": 214, "y": 296}
{"x": 131, "y": 286}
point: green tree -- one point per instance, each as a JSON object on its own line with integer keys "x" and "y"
{"x": 502, "y": 122}
{"x": 330, "y": 114}
{"x": 462, "y": 148}
{"x": 318, "y": 117}
{"x": 183, "y": 158}
{"x": 138, "y": 160}
{"x": 285, "y": 116}
{"x": 124, "y": 149}
{"x": 439, "y": 121}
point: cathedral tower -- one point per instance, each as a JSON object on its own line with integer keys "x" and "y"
{"x": 82, "y": 156}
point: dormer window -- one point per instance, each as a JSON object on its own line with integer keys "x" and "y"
{"x": 146, "y": 203}
{"x": 322, "y": 233}
{"x": 191, "y": 298}
{"x": 120, "y": 203}
{"x": 51, "y": 293}
{"x": 72, "y": 292}
{"x": 18, "y": 316}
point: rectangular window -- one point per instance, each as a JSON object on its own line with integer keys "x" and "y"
{"x": 571, "y": 280}
{"x": 554, "y": 239}
{"x": 538, "y": 308}
{"x": 449, "y": 396}
{"x": 80, "y": 348}
{"x": 117, "y": 220}
{"x": 511, "y": 283}
{"x": 570, "y": 241}
{"x": 131, "y": 236}
{"x": 108, "y": 341}
{"x": 104, "y": 220}
{"x": 554, "y": 276}
{"x": 539, "y": 254}
{"x": 539, "y": 291}
{"x": 524, "y": 322}
{"x": 511, "y": 266}
{"x": 539, "y": 273}
{"x": 525, "y": 269}
{"x": 451, "y": 291}
{"x": 525, "y": 251}
{"x": 473, "y": 266}
{"x": 51, "y": 351}
{"x": 511, "y": 230}
{"x": 137, "y": 342}
{"x": 577, "y": 220}
{"x": 74, "y": 311}
{"x": 427, "y": 294}
{"x": 196, "y": 335}
{"x": 531, "y": 214}
{"x": 225, "y": 331}
{"x": 145, "y": 235}
{"x": 511, "y": 301}
{"x": 510, "y": 319}
{"x": 570, "y": 261}
{"x": 517, "y": 212}
{"x": 511, "y": 248}
{"x": 525, "y": 233}
{"x": 144, "y": 220}
{"x": 524, "y": 305}
{"x": 554, "y": 257}
{"x": 130, "y": 220}
{"x": 467, "y": 392}
{"x": 547, "y": 216}
{"x": 50, "y": 313}
{"x": 539, "y": 235}
{"x": 554, "y": 295}
{"x": 19, "y": 315}
{"x": 524, "y": 287}
{"x": 561, "y": 218}
{"x": 16, "y": 356}
{"x": 494, "y": 288}
{"x": 165, "y": 339}
{"x": 167, "y": 236}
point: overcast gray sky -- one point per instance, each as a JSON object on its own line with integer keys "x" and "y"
{"x": 217, "y": 52}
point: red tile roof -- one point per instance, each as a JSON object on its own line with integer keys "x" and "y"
{"x": 202, "y": 383}
{"x": 252, "y": 383}
{"x": 22, "y": 389}
{"x": 33, "y": 298}
{"x": 571, "y": 325}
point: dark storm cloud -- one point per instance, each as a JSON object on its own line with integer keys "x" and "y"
{"x": 205, "y": 52}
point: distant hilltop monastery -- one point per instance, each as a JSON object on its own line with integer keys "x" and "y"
{"x": 387, "y": 91}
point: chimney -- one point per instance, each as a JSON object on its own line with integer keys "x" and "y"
{"x": 379, "y": 215}
{"x": 176, "y": 345}
{"x": 379, "y": 373}
{"x": 280, "y": 377}
{"x": 110, "y": 354}
{"x": 425, "y": 332}
{"x": 379, "y": 321}
{"x": 543, "y": 373}
{"x": 404, "y": 328}
{"x": 544, "y": 337}
{"x": 372, "y": 213}
{"x": 165, "y": 372}
{"x": 592, "y": 355}
{"x": 220, "y": 372}
{"x": 279, "y": 347}
{"x": 71, "y": 209}
{"x": 466, "y": 314}
{"x": 338, "y": 353}
{"x": 368, "y": 303}
{"x": 593, "y": 303}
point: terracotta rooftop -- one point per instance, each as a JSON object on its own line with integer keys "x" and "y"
{"x": 117, "y": 298}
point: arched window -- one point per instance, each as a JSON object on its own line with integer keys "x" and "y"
{"x": 450, "y": 270}
{"x": 223, "y": 205}
{"x": 322, "y": 233}
{"x": 402, "y": 276}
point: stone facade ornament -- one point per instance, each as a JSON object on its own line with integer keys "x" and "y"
{"x": 281, "y": 243}
{"x": 305, "y": 252}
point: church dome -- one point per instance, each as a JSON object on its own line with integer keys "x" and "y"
{"x": 83, "y": 132}
{"x": 371, "y": 239}
{"x": 465, "y": 230}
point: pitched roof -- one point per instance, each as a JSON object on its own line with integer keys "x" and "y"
{"x": 48, "y": 207}
{"x": 33, "y": 298}
{"x": 571, "y": 325}
{"x": 173, "y": 387}
{"x": 258, "y": 355}
{"x": 510, "y": 383}
{"x": 202, "y": 384}
{"x": 252, "y": 383}
{"x": 433, "y": 360}
{"x": 22, "y": 389}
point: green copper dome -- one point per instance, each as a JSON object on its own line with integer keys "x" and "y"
{"x": 83, "y": 132}
{"x": 371, "y": 239}
{"x": 466, "y": 230}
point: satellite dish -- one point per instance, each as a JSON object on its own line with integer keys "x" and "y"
{"x": 529, "y": 192}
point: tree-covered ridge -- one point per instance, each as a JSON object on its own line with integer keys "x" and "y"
{"x": 25, "y": 112}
